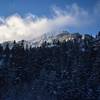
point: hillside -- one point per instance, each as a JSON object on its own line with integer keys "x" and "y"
{"x": 61, "y": 67}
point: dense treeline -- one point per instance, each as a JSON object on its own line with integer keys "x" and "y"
{"x": 65, "y": 71}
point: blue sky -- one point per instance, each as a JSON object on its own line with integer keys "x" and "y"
{"x": 31, "y": 18}
{"x": 39, "y": 7}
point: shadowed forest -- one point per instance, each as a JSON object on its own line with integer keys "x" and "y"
{"x": 68, "y": 70}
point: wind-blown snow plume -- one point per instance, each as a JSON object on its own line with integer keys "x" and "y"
{"x": 16, "y": 27}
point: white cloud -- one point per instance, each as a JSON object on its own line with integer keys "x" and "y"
{"x": 16, "y": 27}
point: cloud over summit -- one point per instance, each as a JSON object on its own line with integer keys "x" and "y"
{"x": 16, "y": 27}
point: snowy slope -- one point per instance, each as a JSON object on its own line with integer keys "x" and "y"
{"x": 49, "y": 38}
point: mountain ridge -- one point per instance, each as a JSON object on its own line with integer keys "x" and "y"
{"x": 49, "y": 38}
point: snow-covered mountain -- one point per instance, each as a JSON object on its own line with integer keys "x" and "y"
{"x": 49, "y": 38}
{"x": 63, "y": 72}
